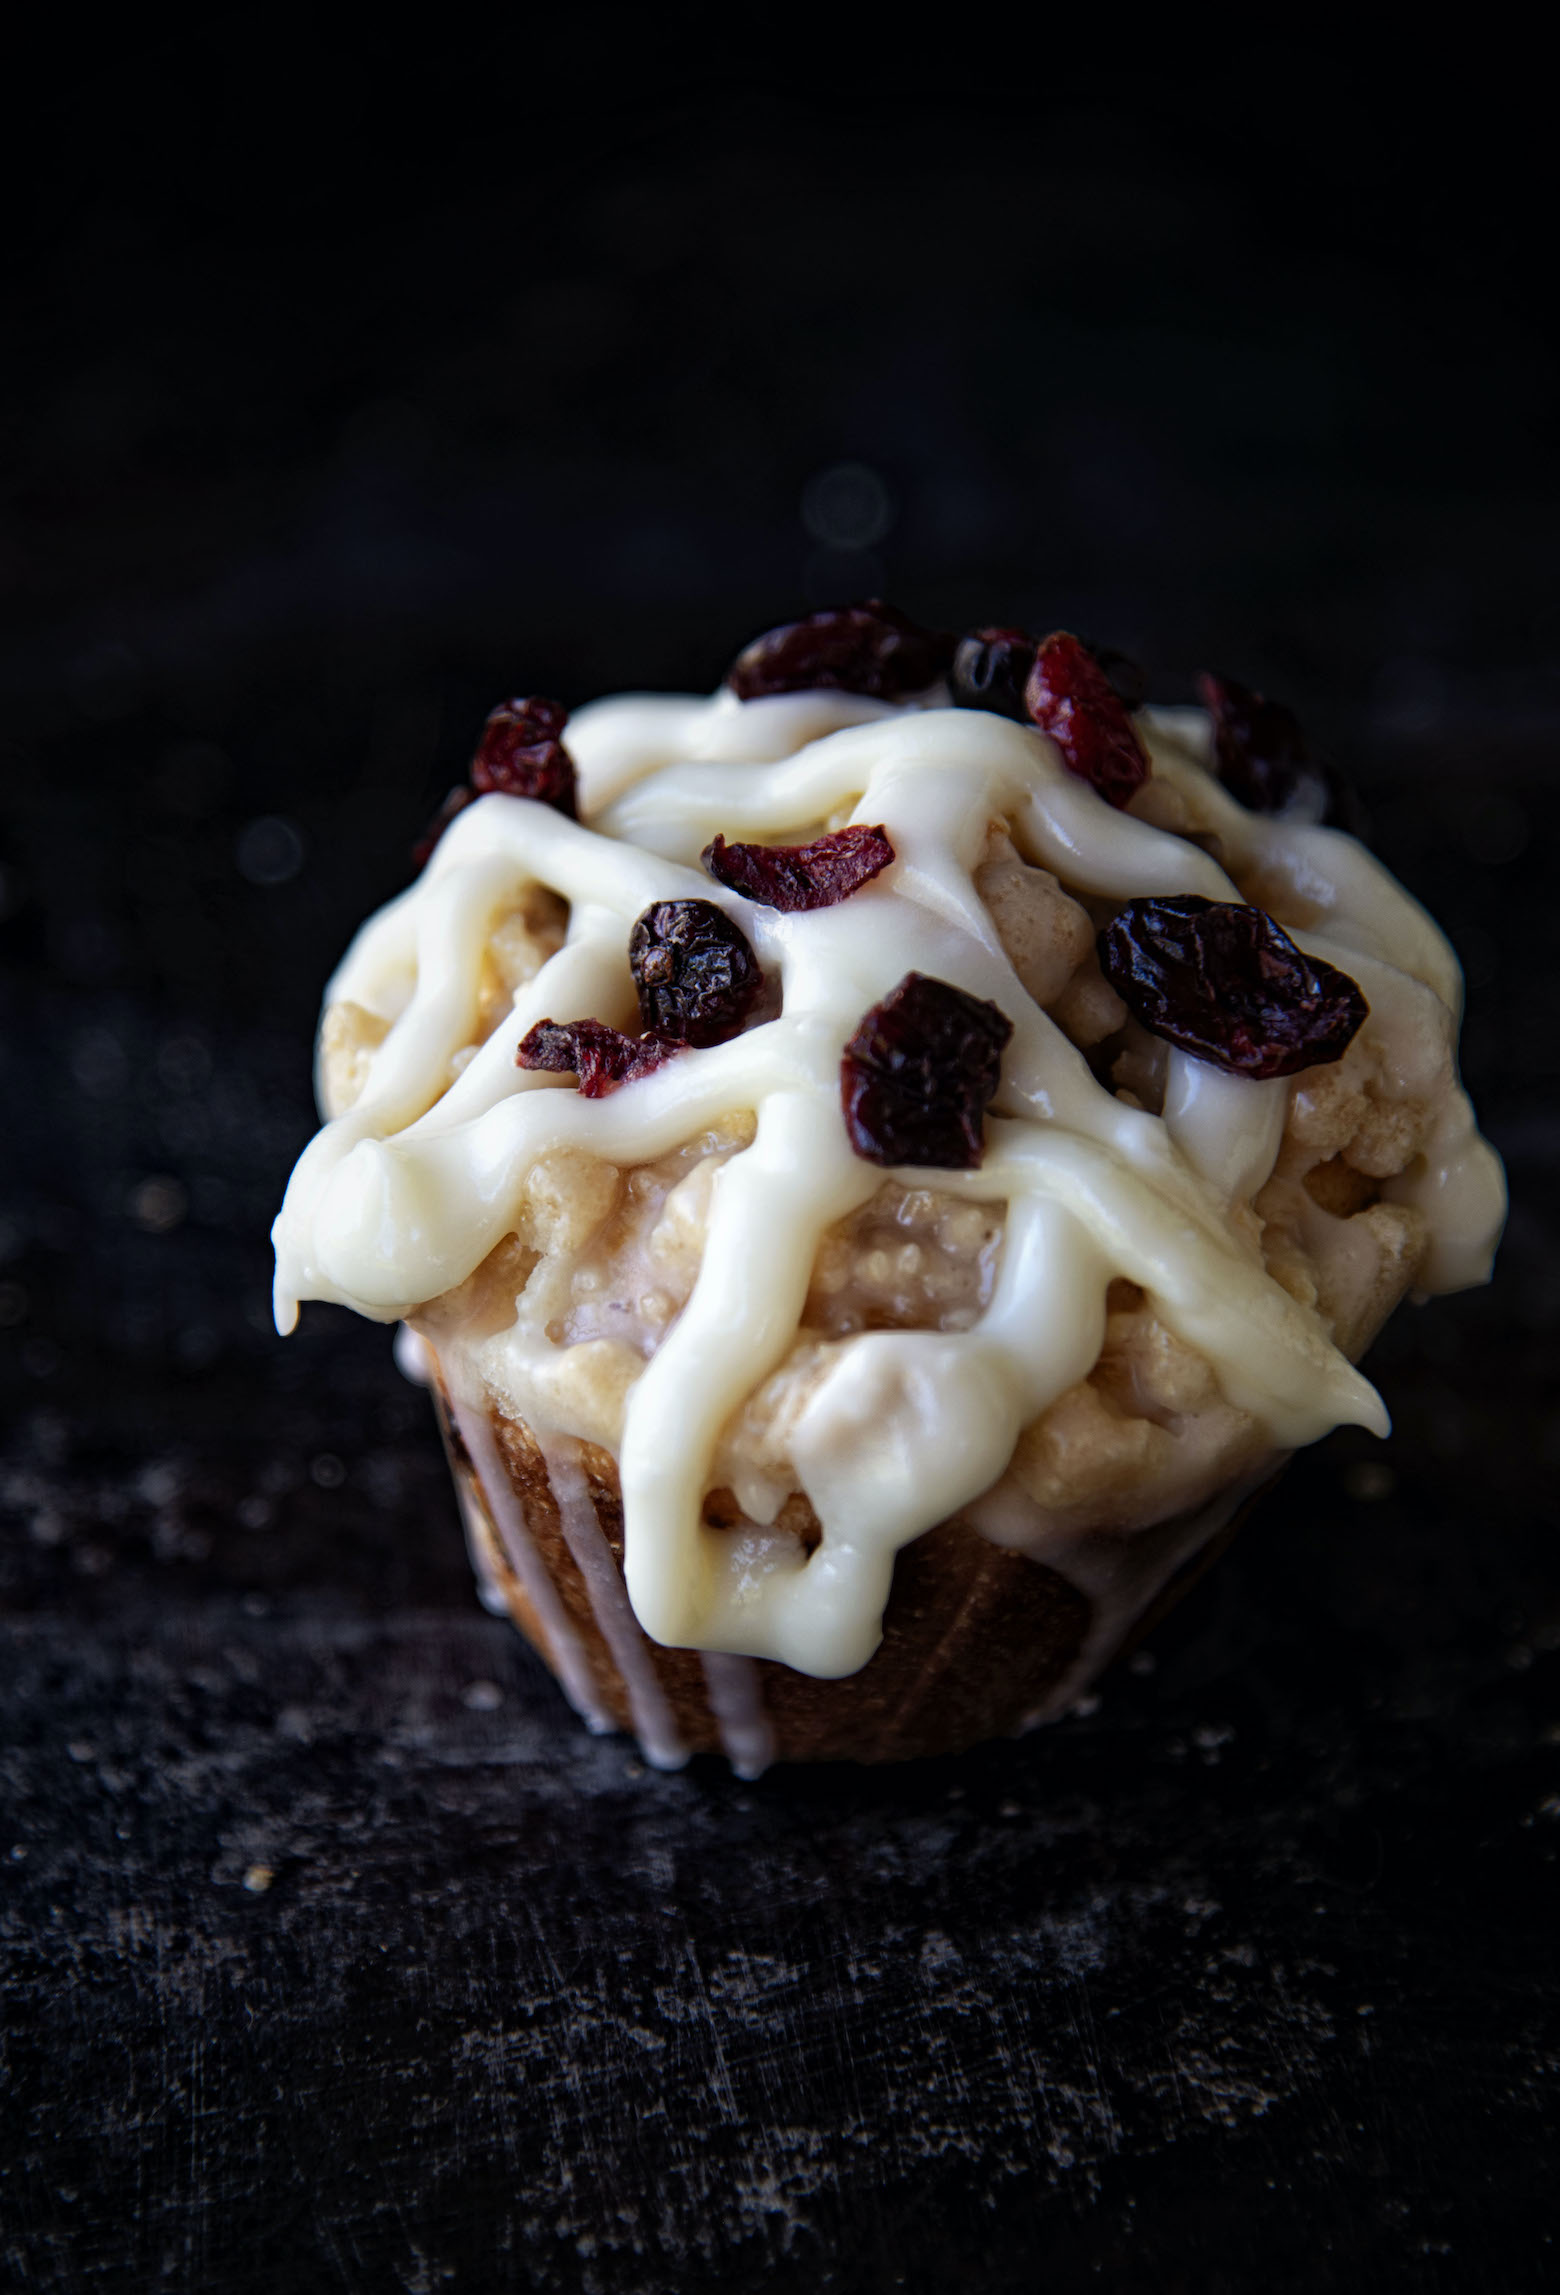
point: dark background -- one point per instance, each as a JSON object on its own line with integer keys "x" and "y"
{"x": 348, "y": 394}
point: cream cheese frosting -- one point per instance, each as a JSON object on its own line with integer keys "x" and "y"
{"x": 408, "y": 1190}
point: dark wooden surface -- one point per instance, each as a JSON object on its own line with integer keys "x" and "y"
{"x": 335, "y": 1955}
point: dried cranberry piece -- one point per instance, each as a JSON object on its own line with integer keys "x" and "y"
{"x": 697, "y": 976}
{"x": 919, "y": 1074}
{"x": 792, "y": 877}
{"x": 1227, "y": 983}
{"x": 520, "y": 755}
{"x": 990, "y": 670}
{"x": 1261, "y": 757}
{"x": 869, "y": 648}
{"x": 600, "y": 1056}
{"x": 1070, "y": 697}
{"x": 455, "y": 802}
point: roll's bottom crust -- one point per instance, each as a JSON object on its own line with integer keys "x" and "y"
{"x": 978, "y": 1640}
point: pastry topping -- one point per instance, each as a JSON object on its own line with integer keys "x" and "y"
{"x": 792, "y": 877}
{"x": 697, "y": 977}
{"x": 520, "y": 755}
{"x": 1128, "y": 678}
{"x": 600, "y": 1056}
{"x": 990, "y": 670}
{"x": 1070, "y": 697}
{"x": 1224, "y": 982}
{"x": 919, "y": 1074}
{"x": 870, "y": 648}
{"x": 1260, "y": 755}
{"x": 887, "y": 1418}
{"x": 455, "y": 802}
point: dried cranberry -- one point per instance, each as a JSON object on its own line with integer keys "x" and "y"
{"x": 1070, "y": 697}
{"x": 520, "y": 755}
{"x": 919, "y": 1073}
{"x": 1225, "y": 982}
{"x": 990, "y": 670}
{"x": 792, "y": 877}
{"x": 1261, "y": 756}
{"x": 869, "y": 648}
{"x": 697, "y": 977}
{"x": 600, "y": 1056}
{"x": 455, "y": 802}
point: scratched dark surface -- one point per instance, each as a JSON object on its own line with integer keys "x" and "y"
{"x": 335, "y": 1954}
{"x": 1246, "y": 1978}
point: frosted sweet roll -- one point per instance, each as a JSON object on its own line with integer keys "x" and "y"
{"x": 879, "y": 1165}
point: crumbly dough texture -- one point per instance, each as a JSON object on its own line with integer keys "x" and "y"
{"x": 604, "y": 1258}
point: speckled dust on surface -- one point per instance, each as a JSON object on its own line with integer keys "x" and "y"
{"x": 330, "y": 1935}
{"x": 336, "y": 1955}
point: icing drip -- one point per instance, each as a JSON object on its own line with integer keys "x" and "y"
{"x": 490, "y": 1592}
{"x": 1123, "y": 1572}
{"x": 411, "y": 1356}
{"x": 399, "y": 1199}
{"x": 736, "y": 1694}
{"x": 654, "y": 1724}
{"x": 508, "y": 1519}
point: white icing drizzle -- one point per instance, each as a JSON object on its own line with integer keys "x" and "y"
{"x": 736, "y": 1694}
{"x": 1121, "y": 1572}
{"x": 653, "y": 1720}
{"x": 1227, "y": 1127}
{"x": 490, "y": 1591}
{"x": 405, "y": 1194}
{"x": 508, "y": 1519}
